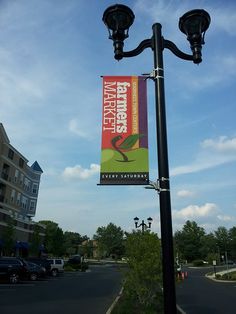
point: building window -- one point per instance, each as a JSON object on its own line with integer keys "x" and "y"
{"x": 13, "y": 193}
{"x": 10, "y": 154}
{"x": 21, "y": 162}
{"x": 26, "y": 184}
{"x": 24, "y": 202}
{"x": 18, "y": 199}
{"x": 5, "y": 171}
{"x": 32, "y": 205}
{"x": 21, "y": 178}
{"x": 16, "y": 175}
{"x": 35, "y": 188}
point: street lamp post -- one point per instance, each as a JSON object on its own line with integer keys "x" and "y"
{"x": 143, "y": 224}
{"x": 118, "y": 19}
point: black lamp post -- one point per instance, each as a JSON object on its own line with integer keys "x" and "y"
{"x": 118, "y": 18}
{"x": 143, "y": 224}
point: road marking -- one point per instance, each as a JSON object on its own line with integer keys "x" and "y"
{"x": 180, "y": 310}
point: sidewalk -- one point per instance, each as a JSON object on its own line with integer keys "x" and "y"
{"x": 212, "y": 276}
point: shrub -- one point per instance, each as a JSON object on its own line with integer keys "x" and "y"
{"x": 143, "y": 280}
{"x": 197, "y": 263}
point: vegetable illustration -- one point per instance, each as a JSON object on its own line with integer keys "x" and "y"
{"x": 126, "y": 145}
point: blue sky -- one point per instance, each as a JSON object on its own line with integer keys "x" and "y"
{"x": 52, "y": 54}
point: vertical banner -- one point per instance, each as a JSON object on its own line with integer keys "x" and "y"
{"x": 124, "y": 154}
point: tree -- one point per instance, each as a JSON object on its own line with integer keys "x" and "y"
{"x": 72, "y": 241}
{"x": 54, "y": 238}
{"x": 143, "y": 280}
{"x": 110, "y": 240}
{"x": 8, "y": 237}
{"x": 222, "y": 240}
{"x": 189, "y": 241}
{"x": 36, "y": 241}
{"x": 232, "y": 242}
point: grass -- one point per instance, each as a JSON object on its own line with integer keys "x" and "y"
{"x": 228, "y": 276}
{"x": 128, "y": 305}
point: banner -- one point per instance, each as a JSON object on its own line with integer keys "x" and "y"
{"x": 124, "y": 154}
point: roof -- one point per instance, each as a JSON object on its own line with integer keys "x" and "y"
{"x": 35, "y": 166}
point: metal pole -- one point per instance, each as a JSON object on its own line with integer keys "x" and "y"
{"x": 163, "y": 168}
{"x": 143, "y": 225}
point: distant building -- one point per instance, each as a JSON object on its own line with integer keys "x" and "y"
{"x": 19, "y": 187}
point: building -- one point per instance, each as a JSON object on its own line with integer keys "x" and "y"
{"x": 19, "y": 187}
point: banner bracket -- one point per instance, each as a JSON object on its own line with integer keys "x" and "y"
{"x": 156, "y": 185}
{"x": 156, "y": 73}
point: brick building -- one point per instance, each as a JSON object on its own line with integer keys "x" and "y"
{"x": 19, "y": 187}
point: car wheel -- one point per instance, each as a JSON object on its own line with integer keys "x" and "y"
{"x": 33, "y": 276}
{"x": 54, "y": 272}
{"x": 14, "y": 278}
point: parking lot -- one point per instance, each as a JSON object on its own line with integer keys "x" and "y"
{"x": 92, "y": 292}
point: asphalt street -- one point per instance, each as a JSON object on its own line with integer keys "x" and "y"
{"x": 74, "y": 293}
{"x": 200, "y": 295}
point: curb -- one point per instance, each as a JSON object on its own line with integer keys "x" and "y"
{"x": 219, "y": 280}
{"x": 179, "y": 310}
{"x": 114, "y": 302}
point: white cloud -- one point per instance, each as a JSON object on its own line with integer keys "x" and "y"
{"x": 225, "y": 19}
{"x": 192, "y": 212}
{"x": 224, "y": 151}
{"x": 74, "y": 128}
{"x": 77, "y": 172}
{"x": 185, "y": 193}
{"x": 225, "y": 218}
{"x": 223, "y": 144}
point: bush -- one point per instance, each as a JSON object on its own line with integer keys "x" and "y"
{"x": 143, "y": 280}
{"x": 68, "y": 268}
{"x": 75, "y": 267}
{"x": 198, "y": 263}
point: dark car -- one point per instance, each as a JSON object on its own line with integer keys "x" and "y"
{"x": 13, "y": 269}
{"x": 35, "y": 271}
{"x": 77, "y": 262}
{"x": 43, "y": 262}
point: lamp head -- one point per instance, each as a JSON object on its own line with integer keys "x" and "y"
{"x": 194, "y": 24}
{"x": 136, "y": 219}
{"x": 118, "y": 18}
{"x": 149, "y": 222}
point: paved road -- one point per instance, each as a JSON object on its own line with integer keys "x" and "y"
{"x": 200, "y": 295}
{"x": 81, "y": 293}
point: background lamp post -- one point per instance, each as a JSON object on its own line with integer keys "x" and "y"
{"x": 143, "y": 224}
{"x": 118, "y": 18}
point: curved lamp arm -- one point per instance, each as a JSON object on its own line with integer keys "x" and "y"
{"x": 146, "y": 43}
{"x": 173, "y": 48}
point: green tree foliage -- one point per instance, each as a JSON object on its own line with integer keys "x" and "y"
{"x": 54, "y": 238}
{"x": 209, "y": 247}
{"x": 36, "y": 241}
{"x": 143, "y": 280}
{"x": 232, "y": 242}
{"x": 87, "y": 249}
{"x": 8, "y": 237}
{"x": 189, "y": 241}
{"x": 222, "y": 239}
{"x": 72, "y": 242}
{"x": 110, "y": 240}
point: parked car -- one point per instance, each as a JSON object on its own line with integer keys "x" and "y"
{"x": 43, "y": 262}
{"x": 57, "y": 266}
{"x": 77, "y": 262}
{"x": 35, "y": 271}
{"x": 13, "y": 269}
